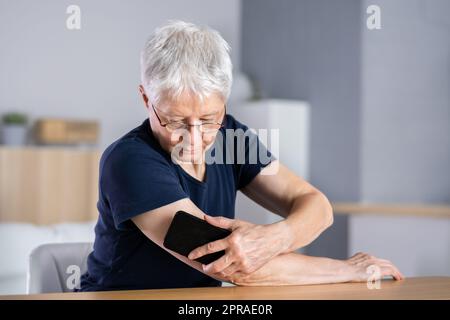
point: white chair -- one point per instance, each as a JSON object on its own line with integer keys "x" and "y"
{"x": 57, "y": 267}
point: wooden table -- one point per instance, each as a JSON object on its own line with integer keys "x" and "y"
{"x": 410, "y": 288}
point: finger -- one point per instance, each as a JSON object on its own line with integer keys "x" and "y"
{"x": 219, "y": 265}
{"x": 397, "y": 270}
{"x": 221, "y": 222}
{"x": 389, "y": 271}
{"x": 388, "y": 264}
{"x": 358, "y": 256}
{"x": 398, "y": 274}
{"x": 208, "y": 248}
{"x": 361, "y": 259}
{"x": 384, "y": 266}
{"x": 230, "y": 270}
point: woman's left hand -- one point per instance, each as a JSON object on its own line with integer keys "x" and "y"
{"x": 247, "y": 248}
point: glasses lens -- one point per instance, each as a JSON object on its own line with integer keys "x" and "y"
{"x": 172, "y": 126}
{"x": 209, "y": 127}
{"x": 205, "y": 127}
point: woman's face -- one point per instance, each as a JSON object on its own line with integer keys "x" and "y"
{"x": 190, "y": 143}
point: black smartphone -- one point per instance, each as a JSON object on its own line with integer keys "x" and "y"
{"x": 187, "y": 232}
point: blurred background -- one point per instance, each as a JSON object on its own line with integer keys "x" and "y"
{"x": 363, "y": 114}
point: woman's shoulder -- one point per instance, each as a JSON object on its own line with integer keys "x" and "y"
{"x": 133, "y": 148}
{"x": 233, "y": 123}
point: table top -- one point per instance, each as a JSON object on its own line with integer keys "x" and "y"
{"x": 409, "y": 288}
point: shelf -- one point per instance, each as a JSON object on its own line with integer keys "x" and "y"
{"x": 47, "y": 185}
{"x": 419, "y": 210}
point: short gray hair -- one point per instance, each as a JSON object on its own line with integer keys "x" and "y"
{"x": 180, "y": 57}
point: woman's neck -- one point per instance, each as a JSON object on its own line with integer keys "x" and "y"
{"x": 196, "y": 170}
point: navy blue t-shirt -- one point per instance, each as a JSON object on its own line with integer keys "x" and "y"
{"x": 137, "y": 175}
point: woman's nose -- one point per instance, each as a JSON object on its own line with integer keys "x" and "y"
{"x": 195, "y": 134}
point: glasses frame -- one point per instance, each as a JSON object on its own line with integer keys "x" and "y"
{"x": 221, "y": 124}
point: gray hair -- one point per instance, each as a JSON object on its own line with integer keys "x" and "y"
{"x": 180, "y": 57}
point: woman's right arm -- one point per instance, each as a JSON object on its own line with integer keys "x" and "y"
{"x": 155, "y": 223}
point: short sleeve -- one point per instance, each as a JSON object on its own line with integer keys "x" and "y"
{"x": 250, "y": 154}
{"x": 135, "y": 179}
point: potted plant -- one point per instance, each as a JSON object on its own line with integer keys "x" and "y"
{"x": 14, "y": 128}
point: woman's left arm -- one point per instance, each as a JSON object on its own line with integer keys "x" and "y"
{"x": 306, "y": 210}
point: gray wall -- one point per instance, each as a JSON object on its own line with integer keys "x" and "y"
{"x": 380, "y": 101}
{"x": 406, "y": 103}
{"x": 405, "y": 141}
{"x": 311, "y": 50}
{"x": 93, "y": 73}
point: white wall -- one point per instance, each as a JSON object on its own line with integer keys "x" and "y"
{"x": 93, "y": 73}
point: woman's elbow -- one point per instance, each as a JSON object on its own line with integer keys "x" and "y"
{"x": 327, "y": 212}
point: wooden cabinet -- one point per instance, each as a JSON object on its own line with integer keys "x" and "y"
{"x": 45, "y": 185}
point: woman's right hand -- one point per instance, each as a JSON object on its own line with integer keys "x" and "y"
{"x": 363, "y": 266}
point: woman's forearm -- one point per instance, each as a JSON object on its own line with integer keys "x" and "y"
{"x": 296, "y": 269}
{"x": 309, "y": 216}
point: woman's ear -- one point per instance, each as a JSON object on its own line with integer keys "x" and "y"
{"x": 144, "y": 95}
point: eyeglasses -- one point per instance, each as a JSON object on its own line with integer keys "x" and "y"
{"x": 205, "y": 127}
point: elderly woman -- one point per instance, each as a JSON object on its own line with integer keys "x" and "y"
{"x": 160, "y": 167}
